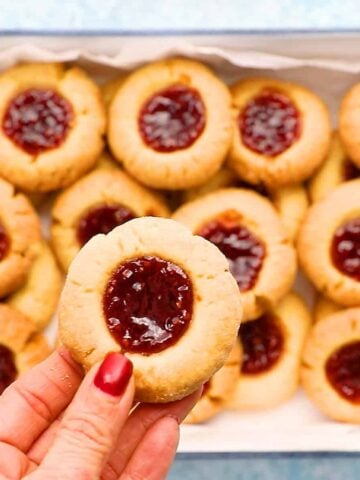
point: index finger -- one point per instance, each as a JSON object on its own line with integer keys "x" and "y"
{"x": 29, "y": 405}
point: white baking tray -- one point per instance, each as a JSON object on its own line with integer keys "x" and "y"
{"x": 328, "y": 64}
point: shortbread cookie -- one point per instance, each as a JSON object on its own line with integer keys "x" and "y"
{"x": 281, "y": 132}
{"x": 38, "y": 297}
{"x": 52, "y": 124}
{"x": 291, "y": 202}
{"x": 20, "y": 346}
{"x": 19, "y": 237}
{"x": 96, "y": 204}
{"x": 272, "y": 346}
{"x": 218, "y": 390}
{"x": 170, "y": 124}
{"x": 336, "y": 169}
{"x": 329, "y": 244}
{"x": 349, "y": 123}
{"x": 324, "y": 307}
{"x": 246, "y": 228}
{"x": 330, "y": 370}
{"x": 160, "y": 295}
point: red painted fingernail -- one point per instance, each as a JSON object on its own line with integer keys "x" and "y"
{"x": 114, "y": 374}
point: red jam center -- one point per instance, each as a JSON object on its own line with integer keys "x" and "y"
{"x": 244, "y": 251}
{"x": 172, "y": 119}
{"x": 148, "y": 304}
{"x": 8, "y": 372}
{"x": 262, "y": 341}
{"x": 351, "y": 171}
{"x": 270, "y": 123}
{"x": 37, "y": 120}
{"x": 102, "y": 219}
{"x": 4, "y": 242}
{"x": 345, "y": 249}
{"x": 343, "y": 371}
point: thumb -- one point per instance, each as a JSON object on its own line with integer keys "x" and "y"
{"x": 92, "y": 423}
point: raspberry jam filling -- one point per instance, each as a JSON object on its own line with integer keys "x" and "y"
{"x": 343, "y": 371}
{"x": 270, "y": 123}
{"x": 8, "y": 372}
{"x": 172, "y": 119}
{"x": 351, "y": 171}
{"x": 37, "y": 120}
{"x": 148, "y": 304}
{"x": 244, "y": 251}
{"x": 262, "y": 341}
{"x": 345, "y": 249}
{"x": 4, "y": 242}
{"x": 102, "y": 219}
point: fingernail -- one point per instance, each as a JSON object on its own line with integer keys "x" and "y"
{"x": 114, "y": 374}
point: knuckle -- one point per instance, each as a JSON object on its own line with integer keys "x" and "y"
{"x": 89, "y": 430}
{"x": 34, "y": 401}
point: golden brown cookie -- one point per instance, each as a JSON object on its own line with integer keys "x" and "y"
{"x": 291, "y": 202}
{"x": 157, "y": 293}
{"x": 19, "y": 237}
{"x": 52, "y": 121}
{"x": 246, "y": 228}
{"x": 329, "y": 244}
{"x": 272, "y": 347}
{"x": 336, "y": 169}
{"x": 110, "y": 88}
{"x": 20, "y": 346}
{"x": 330, "y": 371}
{"x": 218, "y": 390}
{"x": 281, "y": 132}
{"x": 324, "y": 307}
{"x": 39, "y": 296}
{"x": 170, "y": 124}
{"x": 349, "y": 123}
{"x": 98, "y": 202}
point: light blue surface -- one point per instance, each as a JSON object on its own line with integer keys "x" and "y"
{"x": 211, "y": 14}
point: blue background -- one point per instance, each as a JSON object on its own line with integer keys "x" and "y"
{"x": 211, "y": 14}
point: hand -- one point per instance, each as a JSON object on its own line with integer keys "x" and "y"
{"x": 55, "y": 424}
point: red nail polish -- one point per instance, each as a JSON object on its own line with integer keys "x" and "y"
{"x": 114, "y": 374}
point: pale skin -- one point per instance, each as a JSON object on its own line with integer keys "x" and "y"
{"x": 55, "y": 424}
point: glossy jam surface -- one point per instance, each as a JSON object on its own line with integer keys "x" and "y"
{"x": 270, "y": 123}
{"x": 148, "y": 304}
{"x": 343, "y": 371}
{"x": 172, "y": 119}
{"x": 8, "y": 372}
{"x": 345, "y": 249}
{"x": 351, "y": 171}
{"x": 262, "y": 341}
{"x": 102, "y": 219}
{"x": 37, "y": 120}
{"x": 4, "y": 242}
{"x": 244, "y": 251}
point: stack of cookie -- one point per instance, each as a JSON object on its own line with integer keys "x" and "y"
{"x": 255, "y": 170}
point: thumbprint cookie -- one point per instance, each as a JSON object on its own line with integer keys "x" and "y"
{"x": 323, "y": 307}
{"x": 218, "y": 390}
{"x": 157, "y": 293}
{"x": 330, "y": 371}
{"x": 20, "y": 346}
{"x": 272, "y": 346}
{"x": 248, "y": 231}
{"x": 98, "y": 202}
{"x": 282, "y": 132}
{"x": 349, "y": 123}
{"x": 19, "y": 237}
{"x": 52, "y": 125}
{"x": 329, "y": 244}
{"x": 38, "y": 297}
{"x": 170, "y": 124}
{"x": 109, "y": 90}
{"x": 336, "y": 169}
{"x": 291, "y": 202}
